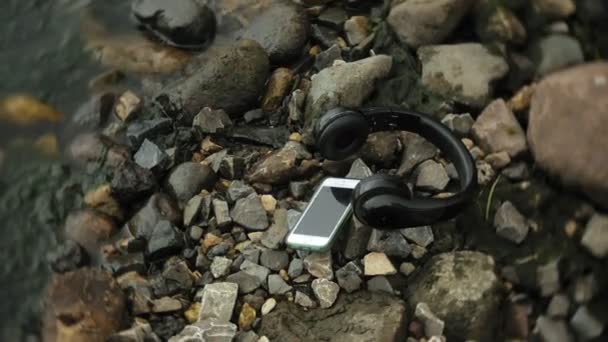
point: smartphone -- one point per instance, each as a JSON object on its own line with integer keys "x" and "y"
{"x": 328, "y": 210}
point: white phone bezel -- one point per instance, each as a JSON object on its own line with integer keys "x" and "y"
{"x": 296, "y": 240}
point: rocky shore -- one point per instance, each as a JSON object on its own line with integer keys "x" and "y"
{"x": 185, "y": 174}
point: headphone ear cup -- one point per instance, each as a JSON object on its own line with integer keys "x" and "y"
{"x": 341, "y": 133}
{"x": 376, "y": 200}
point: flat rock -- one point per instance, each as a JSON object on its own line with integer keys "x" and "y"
{"x": 237, "y": 190}
{"x": 221, "y": 79}
{"x": 420, "y": 23}
{"x": 276, "y": 285}
{"x": 220, "y": 266}
{"x": 258, "y": 271}
{"x": 510, "y": 223}
{"x": 274, "y": 260}
{"x": 417, "y": 150}
{"x": 461, "y": 72}
{"x": 566, "y": 145}
{"x": 361, "y": 316}
{"x": 150, "y": 156}
{"x": 188, "y": 179}
{"x": 345, "y": 85}
{"x": 84, "y": 305}
{"x": 250, "y": 213}
{"x": 326, "y": 292}
{"x": 461, "y": 289}
{"x": 246, "y": 282}
{"x": 378, "y": 264}
{"x": 218, "y": 301}
{"x": 320, "y": 265}
{"x": 276, "y": 168}
{"x": 431, "y": 176}
{"x": 380, "y": 284}
{"x": 496, "y": 130}
{"x": 422, "y": 236}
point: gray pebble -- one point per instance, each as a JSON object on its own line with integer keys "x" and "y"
{"x": 276, "y": 285}
{"x": 274, "y": 260}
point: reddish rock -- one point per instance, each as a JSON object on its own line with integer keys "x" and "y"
{"x": 567, "y": 128}
{"x": 84, "y": 305}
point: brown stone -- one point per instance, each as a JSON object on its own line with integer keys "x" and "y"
{"x": 497, "y": 129}
{"x": 278, "y": 86}
{"x": 102, "y": 200}
{"x": 567, "y": 128}
{"x": 247, "y": 317}
{"x": 276, "y": 168}
{"x": 84, "y": 305}
{"x": 89, "y": 229}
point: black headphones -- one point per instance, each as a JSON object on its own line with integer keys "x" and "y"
{"x": 383, "y": 201}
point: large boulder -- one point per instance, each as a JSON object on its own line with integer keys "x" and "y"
{"x": 362, "y": 317}
{"x": 84, "y": 305}
{"x": 462, "y": 289}
{"x": 567, "y": 128}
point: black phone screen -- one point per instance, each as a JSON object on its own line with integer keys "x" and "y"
{"x": 324, "y": 212}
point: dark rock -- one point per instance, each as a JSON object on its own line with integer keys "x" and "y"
{"x": 84, "y": 305}
{"x": 274, "y": 260}
{"x": 214, "y": 161}
{"x": 462, "y": 289}
{"x": 222, "y": 80}
{"x": 282, "y": 29}
{"x": 516, "y": 171}
{"x": 159, "y": 207}
{"x": 219, "y": 250}
{"x": 260, "y": 272}
{"x": 274, "y": 237}
{"x": 139, "y": 332}
{"x": 422, "y": 236}
{"x": 392, "y": 243}
{"x": 254, "y": 115}
{"x": 510, "y": 224}
{"x": 207, "y": 330}
{"x": 237, "y": 190}
{"x": 222, "y": 213}
{"x": 132, "y": 182}
{"x": 299, "y": 189}
{"x": 247, "y": 283}
{"x": 211, "y": 121}
{"x": 276, "y": 168}
{"x": 556, "y": 52}
{"x": 176, "y": 270}
{"x": 123, "y": 263}
{"x": 186, "y": 24}
{"x": 164, "y": 240}
{"x": 324, "y": 35}
{"x": 139, "y": 131}
{"x": 327, "y": 57}
{"x": 188, "y": 179}
{"x": 349, "y": 277}
{"x": 380, "y": 284}
{"x": 167, "y": 326}
{"x": 275, "y": 137}
{"x": 67, "y": 257}
{"x": 276, "y": 285}
{"x": 151, "y": 157}
{"x": 249, "y": 213}
{"x": 357, "y": 241}
{"x": 232, "y": 167}
{"x": 296, "y": 267}
{"x": 333, "y": 17}
{"x": 416, "y": 150}
{"x": 354, "y": 317}
{"x": 496, "y": 23}
{"x": 89, "y": 229}
{"x": 381, "y": 148}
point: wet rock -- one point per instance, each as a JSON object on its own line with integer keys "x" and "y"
{"x": 89, "y": 229}
{"x": 188, "y": 179}
{"x": 359, "y": 170}
{"x": 274, "y": 237}
{"x": 378, "y": 264}
{"x": 381, "y": 148}
{"x": 559, "y": 306}
{"x": 319, "y": 265}
{"x": 548, "y": 278}
{"x": 132, "y": 182}
{"x": 361, "y": 316}
{"x": 420, "y": 23}
{"x": 139, "y": 131}
{"x": 222, "y": 214}
{"x": 564, "y": 145}
{"x": 327, "y": 57}
{"x": 552, "y": 330}
{"x": 461, "y": 72}
{"x": 67, "y": 257}
{"x": 417, "y": 150}
{"x": 431, "y": 176}
{"x": 595, "y": 238}
{"x": 211, "y": 121}
{"x": 345, "y": 85}
{"x": 357, "y": 240}
{"x": 218, "y": 301}
{"x": 349, "y": 277}
{"x": 510, "y": 224}
{"x": 274, "y": 260}
{"x": 151, "y": 157}
{"x": 276, "y": 285}
{"x": 555, "y": 52}
{"x": 159, "y": 207}
{"x": 433, "y": 326}
{"x": 260, "y": 272}
{"x": 326, "y": 292}
{"x": 223, "y": 80}
{"x": 462, "y": 289}
{"x": 164, "y": 240}
{"x": 282, "y": 29}
{"x": 357, "y": 28}
{"x": 187, "y": 24}
{"x": 391, "y": 243}
{"x": 422, "y": 236}
{"x": 276, "y": 168}
{"x": 207, "y": 330}
{"x": 247, "y": 283}
{"x": 278, "y": 85}
{"x": 460, "y": 124}
{"x": 249, "y": 213}
{"x": 237, "y": 190}
{"x": 84, "y": 305}
{"x": 497, "y": 129}
{"x": 554, "y": 9}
